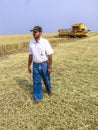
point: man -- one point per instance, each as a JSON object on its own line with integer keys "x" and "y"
{"x": 40, "y": 55}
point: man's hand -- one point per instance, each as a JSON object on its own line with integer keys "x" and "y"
{"x": 50, "y": 63}
{"x": 29, "y": 69}
{"x": 29, "y": 63}
{"x": 49, "y": 70}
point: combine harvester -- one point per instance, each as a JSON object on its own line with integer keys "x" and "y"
{"x": 77, "y": 30}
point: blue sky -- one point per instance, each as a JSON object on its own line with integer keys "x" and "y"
{"x": 19, "y": 16}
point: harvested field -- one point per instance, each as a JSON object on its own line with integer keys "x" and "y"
{"x": 74, "y": 103}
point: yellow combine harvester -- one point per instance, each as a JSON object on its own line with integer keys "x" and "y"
{"x": 77, "y": 30}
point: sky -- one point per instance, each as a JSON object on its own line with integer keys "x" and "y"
{"x": 20, "y": 16}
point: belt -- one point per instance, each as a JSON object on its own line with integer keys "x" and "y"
{"x": 40, "y": 62}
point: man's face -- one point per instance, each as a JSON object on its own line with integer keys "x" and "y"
{"x": 36, "y": 34}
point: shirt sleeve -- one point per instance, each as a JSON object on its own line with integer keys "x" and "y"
{"x": 49, "y": 49}
{"x": 30, "y": 50}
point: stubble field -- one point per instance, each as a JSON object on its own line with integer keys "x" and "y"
{"x": 74, "y": 103}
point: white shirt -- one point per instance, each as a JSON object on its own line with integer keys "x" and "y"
{"x": 40, "y": 50}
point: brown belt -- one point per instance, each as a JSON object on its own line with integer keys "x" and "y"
{"x": 40, "y": 62}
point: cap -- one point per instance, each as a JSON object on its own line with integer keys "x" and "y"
{"x": 36, "y": 28}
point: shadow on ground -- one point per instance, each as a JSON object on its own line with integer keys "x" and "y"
{"x": 24, "y": 84}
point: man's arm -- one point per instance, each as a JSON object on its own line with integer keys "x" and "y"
{"x": 50, "y": 63}
{"x": 29, "y": 63}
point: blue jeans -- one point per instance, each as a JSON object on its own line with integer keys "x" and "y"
{"x": 40, "y": 71}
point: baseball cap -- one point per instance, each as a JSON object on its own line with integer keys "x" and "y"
{"x": 36, "y": 28}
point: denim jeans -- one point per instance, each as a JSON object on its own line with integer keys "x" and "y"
{"x": 40, "y": 71}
